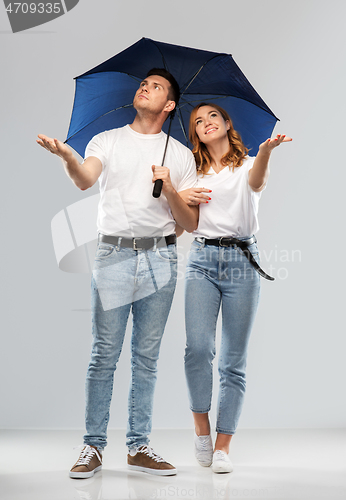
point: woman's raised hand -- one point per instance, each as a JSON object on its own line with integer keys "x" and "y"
{"x": 195, "y": 196}
{"x": 270, "y": 144}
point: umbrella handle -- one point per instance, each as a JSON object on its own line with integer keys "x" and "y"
{"x": 158, "y": 183}
{"x": 157, "y": 188}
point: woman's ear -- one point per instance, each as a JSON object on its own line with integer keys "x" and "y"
{"x": 228, "y": 125}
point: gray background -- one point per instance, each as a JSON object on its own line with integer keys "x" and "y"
{"x": 294, "y": 55}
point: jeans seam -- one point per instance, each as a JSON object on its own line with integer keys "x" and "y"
{"x": 151, "y": 271}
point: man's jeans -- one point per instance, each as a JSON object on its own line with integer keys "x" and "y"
{"x": 218, "y": 276}
{"x": 125, "y": 279}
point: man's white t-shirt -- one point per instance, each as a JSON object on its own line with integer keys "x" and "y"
{"x": 127, "y": 207}
{"x": 233, "y": 208}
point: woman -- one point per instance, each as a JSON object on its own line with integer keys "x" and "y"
{"x": 222, "y": 269}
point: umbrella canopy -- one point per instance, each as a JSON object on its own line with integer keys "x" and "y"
{"x": 104, "y": 95}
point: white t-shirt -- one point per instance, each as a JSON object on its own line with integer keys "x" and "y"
{"x": 233, "y": 208}
{"x": 127, "y": 207}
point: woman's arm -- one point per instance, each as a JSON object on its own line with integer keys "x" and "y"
{"x": 259, "y": 173}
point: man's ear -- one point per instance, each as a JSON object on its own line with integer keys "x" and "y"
{"x": 170, "y": 105}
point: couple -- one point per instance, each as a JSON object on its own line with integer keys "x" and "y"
{"x": 136, "y": 266}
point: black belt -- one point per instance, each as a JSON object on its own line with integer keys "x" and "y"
{"x": 139, "y": 243}
{"x": 243, "y": 244}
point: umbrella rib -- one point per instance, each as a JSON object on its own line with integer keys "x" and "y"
{"x": 182, "y": 125}
{"x": 194, "y": 77}
{"x": 101, "y": 116}
{"x": 163, "y": 59}
{"x": 200, "y": 69}
{"x": 219, "y": 55}
{"x": 131, "y": 76}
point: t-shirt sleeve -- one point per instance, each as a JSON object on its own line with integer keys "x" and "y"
{"x": 97, "y": 147}
{"x": 189, "y": 178}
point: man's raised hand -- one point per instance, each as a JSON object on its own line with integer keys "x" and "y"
{"x": 83, "y": 175}
{"x": 54, "y": 146}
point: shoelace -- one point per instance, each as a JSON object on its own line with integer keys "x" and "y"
{"x": 151, "y": 453}
{"x": 86, "y": 455}
{"x": 203, "y": 443}
{"x": 220, "y": 455}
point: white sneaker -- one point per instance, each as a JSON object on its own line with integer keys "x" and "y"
{"x": 204, "y": 450}
{"x": 221, "y": 462}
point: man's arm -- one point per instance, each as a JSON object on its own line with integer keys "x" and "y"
{"x": 185, "y": 216}
{"x": 83, "y": 175}
{"x": 179, "y": 230}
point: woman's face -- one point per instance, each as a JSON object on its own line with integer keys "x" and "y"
{"x": 210, "y": 125}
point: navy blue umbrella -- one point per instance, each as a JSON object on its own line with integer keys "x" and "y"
{"x": 104, "y": 95}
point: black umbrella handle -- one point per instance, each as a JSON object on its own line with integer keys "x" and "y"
{"x": 157, "y": 188}
{"x": 158, "y": 183}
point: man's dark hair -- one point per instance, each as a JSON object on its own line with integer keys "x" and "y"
{"x": 174, "y": 91}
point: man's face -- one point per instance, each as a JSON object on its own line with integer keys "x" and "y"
{"x": 152, "y": 95}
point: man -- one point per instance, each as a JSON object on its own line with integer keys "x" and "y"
{"x": 135, "y": 264}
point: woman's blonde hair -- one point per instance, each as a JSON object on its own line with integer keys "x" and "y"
{"x": 234, "y": 156}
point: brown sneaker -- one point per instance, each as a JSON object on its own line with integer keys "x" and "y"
{"x": 89, "y": 462}
{"x": 146, "y": 460}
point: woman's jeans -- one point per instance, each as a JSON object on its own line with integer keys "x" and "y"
{"x": 219, "y": 276}
{"x": 123, "y": 280}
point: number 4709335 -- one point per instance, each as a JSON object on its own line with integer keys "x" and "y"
{"x": 33, "y": 8}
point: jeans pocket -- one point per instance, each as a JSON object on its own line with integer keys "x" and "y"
{"x": 196, "y": 246}
{"x": 104, "y": 250}
{"x": 168, "y": 253}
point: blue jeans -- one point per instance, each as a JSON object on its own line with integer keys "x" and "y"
{"x": 123, "y": 280}
{"x": 218, "y": 276}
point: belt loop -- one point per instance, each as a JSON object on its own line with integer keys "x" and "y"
{"x": 155, "y": 244}
{"x": 201, "y": 240}
{"x": 119, "y": 243}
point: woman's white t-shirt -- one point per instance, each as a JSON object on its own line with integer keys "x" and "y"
{"x": 233, "y": 208}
